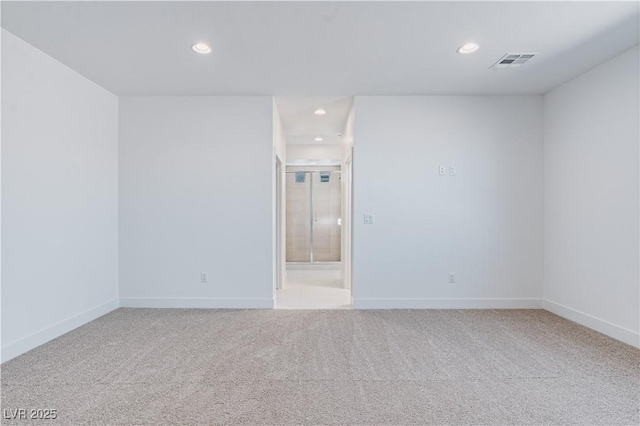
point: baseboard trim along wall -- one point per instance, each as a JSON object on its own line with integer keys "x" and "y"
{"x": 365, "y": 303}
{"x": 625, "y": 335}
{"x": 25, "y": 344}
{"x": 18, "y": 347}
{"x": 196, "y": 302}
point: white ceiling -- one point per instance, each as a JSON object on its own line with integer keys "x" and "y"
{"x": 302, "y": 125}
{"x": 324, "y": 48}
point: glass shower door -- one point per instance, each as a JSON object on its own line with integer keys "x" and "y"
{"x": 313, "y": 216}
{"x": 326, "y": 200}
{"x": 298, "y": 216}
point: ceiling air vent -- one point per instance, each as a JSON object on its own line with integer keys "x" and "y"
{"x": 513, "y": 60}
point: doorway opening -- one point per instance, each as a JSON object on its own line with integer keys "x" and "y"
{"x": 314, "y": 239}
{"x": 315, "y": 204}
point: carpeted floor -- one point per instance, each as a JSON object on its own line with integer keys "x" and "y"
{"x": 192, "y": 367}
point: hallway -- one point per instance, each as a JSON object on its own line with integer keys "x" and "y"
{"x": 313, "y": 289}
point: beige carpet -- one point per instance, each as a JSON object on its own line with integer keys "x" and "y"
{"x": 192, "y": 367}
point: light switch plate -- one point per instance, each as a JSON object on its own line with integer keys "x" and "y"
{"x": 369, "y": 218}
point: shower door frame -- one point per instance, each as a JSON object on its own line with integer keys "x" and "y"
{"x": 312, "y": 218}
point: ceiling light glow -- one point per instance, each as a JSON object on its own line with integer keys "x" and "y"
{"x": 320, "y": 111}
{"x": 318, "y": 139}
{"x": 468, "y": 48}
{"x": 202, "y": 48}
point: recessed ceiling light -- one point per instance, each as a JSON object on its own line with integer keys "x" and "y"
{"x": 468, "y": 48}
{"x": 320, "y": 111}
{"x": 202, "y": 48}
{"x": 318, "y": 139}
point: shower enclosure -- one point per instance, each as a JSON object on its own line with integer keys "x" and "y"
{"x": 313, "y": 215}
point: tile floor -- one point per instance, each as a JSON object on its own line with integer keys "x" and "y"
{"x": 313, "y": 289}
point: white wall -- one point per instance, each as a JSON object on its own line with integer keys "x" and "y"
{"x": 484, "y": 224}
{"x": 279, "y": 229}
{"x": 313, "y": 152}
{"x": 346, "y": 144}
{"x": 591, "y": 138}
{"x": 1, "y": 339}
{"x": 279, "y": 137}
{"x": 196, "y": 185}
{"x": 59, "y": 198}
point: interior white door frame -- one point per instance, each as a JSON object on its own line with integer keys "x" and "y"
{"x": 347, "y": 223}
{"x": 279, "y": 230}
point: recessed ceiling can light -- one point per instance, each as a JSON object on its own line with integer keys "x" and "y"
{"x": 202, "y": 48}
{"x": 320, "y": 111}
{"x": 468, "y": 48}
{"x": 318, "y": 139}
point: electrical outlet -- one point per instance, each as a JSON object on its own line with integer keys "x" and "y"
{"x": 442, "y": 170}
{"x": 369, "y": 218}
{"x": 452, "y": 277}
{"x": 204, "y": 278}
{"x": 453, "y": 171}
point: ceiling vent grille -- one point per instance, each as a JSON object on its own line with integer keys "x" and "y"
{"x": 513, "y": 60}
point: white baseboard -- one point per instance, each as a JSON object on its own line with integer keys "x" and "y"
{"x": 25, "y": 344}
{"x": 625, "y": 335}
{"x": 195, "y": 302}
{"x": 365, "y": 303}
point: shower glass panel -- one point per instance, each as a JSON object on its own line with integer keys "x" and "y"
{"x": 298, "y": 216}
{"x": 313, "y": 216}
{"x": 326, "y": 212}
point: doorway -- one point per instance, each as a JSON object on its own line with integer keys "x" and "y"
{"x": 313, "y": 240}
{"x": 314, "y": 136}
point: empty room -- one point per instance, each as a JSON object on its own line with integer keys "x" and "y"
{"x": 320, "y": 213}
